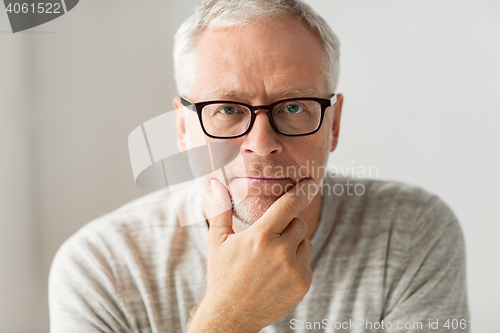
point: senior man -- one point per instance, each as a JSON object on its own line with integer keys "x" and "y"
{"x": 276, "y": 254}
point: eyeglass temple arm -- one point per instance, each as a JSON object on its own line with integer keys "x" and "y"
{"x": 186, "y": 103}
{"x": 333, "y": 99}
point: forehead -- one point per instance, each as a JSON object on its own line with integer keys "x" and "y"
{"x": 265, "y": 59}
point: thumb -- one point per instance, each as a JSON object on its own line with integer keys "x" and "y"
{"x": 221, "y": 222}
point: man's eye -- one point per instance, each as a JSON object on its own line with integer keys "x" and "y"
{"x": 227, "y": 109}
{"x": 294, "y": 108}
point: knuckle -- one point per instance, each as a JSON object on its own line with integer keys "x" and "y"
{"x": 302, "y": 287}
{"x": 291, "y": 204}
{"x": 308, "y": 245}
{"x": 285, "y": 257}
{"x": 308, "y": 273}
{"x": 260, "y": 241}
{"x": 306, "y": 250}
{"x": 309, "y": 251}
{"x": 300, "y": 225}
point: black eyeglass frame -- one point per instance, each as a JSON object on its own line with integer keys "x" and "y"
{"x": 198, "y": 107}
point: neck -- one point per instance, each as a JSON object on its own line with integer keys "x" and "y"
{"x": 310, "y": 215}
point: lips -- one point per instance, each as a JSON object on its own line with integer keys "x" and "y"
{"x": 261, "y": 178}
{"x": 264, "y": 178}
{"x": 253, "y": 181}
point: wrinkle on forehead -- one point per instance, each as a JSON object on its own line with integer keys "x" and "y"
{"x": 221, "y": 94}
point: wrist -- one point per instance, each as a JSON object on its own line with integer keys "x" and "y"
{"x": 210, "y": 318}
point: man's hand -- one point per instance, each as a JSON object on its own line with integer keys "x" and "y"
{"x": 255, "y": 277}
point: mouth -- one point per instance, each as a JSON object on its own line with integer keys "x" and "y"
{"x": 262, "y": 181}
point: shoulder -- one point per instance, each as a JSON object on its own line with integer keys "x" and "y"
{"x": 133, "y": 216}
{"x": 101, "y": 270}
{"x": 136, "y": 225}
{"x": 409, "y": 236}
{"x": 385, "y": 195}
{"x": 375, "y": 189}
{"x": 376, "y": 196}
{"x": 407, "y": 210}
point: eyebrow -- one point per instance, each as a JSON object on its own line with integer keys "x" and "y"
{"x": 298, "y": 93}
{"x": 222, "y": 94}
{"x": 288, "y": 93}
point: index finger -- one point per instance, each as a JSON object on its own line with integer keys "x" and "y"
{"x": 283, "y": 210}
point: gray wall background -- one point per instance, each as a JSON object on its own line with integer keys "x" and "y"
{"x": 421, "y": 83}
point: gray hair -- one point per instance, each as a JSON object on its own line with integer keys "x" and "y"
{"x": 210, "y": 14}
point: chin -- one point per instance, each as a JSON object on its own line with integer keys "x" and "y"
{"x": 252, "y": 208}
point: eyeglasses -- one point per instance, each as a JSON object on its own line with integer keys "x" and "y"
{"x": 290, "y": 117}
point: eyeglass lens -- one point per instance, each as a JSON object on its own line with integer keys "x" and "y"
{"x": 290, "y": 117}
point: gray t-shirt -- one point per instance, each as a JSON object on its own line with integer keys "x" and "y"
{"x": 392, "y": 259}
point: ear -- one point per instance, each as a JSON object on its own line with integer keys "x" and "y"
{"x": 337, "y": 112}
{"x": 180, "y": 124}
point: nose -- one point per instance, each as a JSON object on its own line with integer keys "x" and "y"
{"x": 262, "y": 138}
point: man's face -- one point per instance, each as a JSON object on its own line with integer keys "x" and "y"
{"x": 259, "y": 64}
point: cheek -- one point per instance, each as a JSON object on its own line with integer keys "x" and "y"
{"x": 312, "y": 153}
{"x": 311, "y": 148}
{"x": 194, "y": 133}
